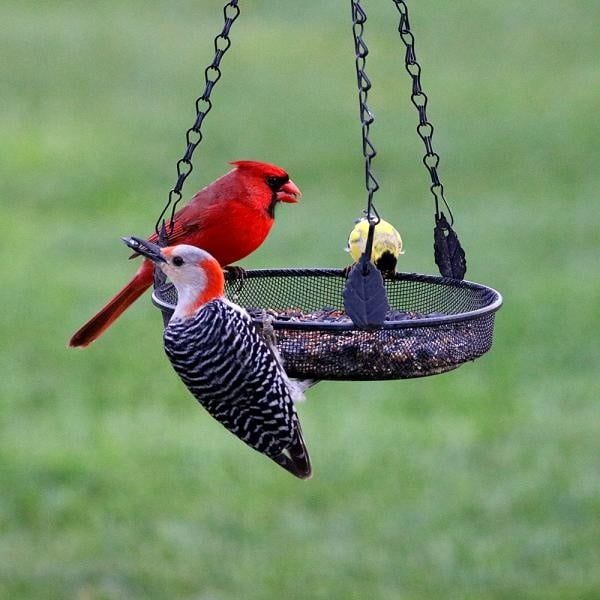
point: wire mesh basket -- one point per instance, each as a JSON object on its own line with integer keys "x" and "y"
{"x": 434, "y": 324}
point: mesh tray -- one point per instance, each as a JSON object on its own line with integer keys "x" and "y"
{"x": 437, "y": 324}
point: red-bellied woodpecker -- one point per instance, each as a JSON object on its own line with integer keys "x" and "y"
{"x": 224, "y": 361}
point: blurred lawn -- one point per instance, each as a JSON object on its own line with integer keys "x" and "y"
{"x": 483, "y": 483}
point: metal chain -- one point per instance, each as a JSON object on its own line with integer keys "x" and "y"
{"x": 359, "y": 18}
{"x": 212, "y": 74}
{"x": 431, "y": 159}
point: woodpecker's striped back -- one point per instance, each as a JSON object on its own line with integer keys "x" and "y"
{"x": 239, "y": 380}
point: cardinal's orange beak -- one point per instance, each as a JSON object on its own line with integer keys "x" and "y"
{"x": 289, "y": 192}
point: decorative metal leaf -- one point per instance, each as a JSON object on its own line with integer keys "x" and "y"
{"x": 365, "y": 298}
{"x": 449, "y": 255}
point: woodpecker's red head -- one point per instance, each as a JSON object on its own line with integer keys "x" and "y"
{"x": 196, "y": 275}
{"x": 268, "y": 184}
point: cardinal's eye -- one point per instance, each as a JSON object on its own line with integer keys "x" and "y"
{"x": 177, "y": 261}
{"x": 276, "y": 182}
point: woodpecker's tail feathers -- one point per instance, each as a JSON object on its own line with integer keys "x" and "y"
{"x": 116, "y": 306}
{"x": 295, "y": 459}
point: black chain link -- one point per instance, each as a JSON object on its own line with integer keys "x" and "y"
{"x": 431, "y": 160}
{"x": 359, "y": 18}
{"x": 212, "y": 74}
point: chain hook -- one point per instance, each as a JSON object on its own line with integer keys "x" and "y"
{"x": 448, "y": 253}
{"x": 212, "y": 74}
{"x": 418, "y": 97}
{"x": 367, "y": 118}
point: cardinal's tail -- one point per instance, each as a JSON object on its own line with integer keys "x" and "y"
{"x": 102, "y": 320}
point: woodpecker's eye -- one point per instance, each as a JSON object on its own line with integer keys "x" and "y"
{"x": 177, "y": 261}
{"x": 276, "y": 182}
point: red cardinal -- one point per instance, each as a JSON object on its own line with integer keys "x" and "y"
{"x": 229, "y": 219}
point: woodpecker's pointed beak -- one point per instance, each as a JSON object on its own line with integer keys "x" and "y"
{"x": 289, "y": 192}
{"x": 145, "y": 248}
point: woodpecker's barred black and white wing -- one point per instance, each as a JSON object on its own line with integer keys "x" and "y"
{"x": 240, "y": 381}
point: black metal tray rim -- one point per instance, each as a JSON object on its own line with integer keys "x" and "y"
{"x": 495, "y": 303}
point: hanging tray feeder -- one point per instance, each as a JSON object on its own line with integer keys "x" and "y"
{"x": 428, "y": 324}
{"x": 435, "y": 323}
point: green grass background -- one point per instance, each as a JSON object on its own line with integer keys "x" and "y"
{"x": 483, "y": 483}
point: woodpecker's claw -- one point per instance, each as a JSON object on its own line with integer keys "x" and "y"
{"x": 268, "y": 330}
{"x": 145, "y": 248}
